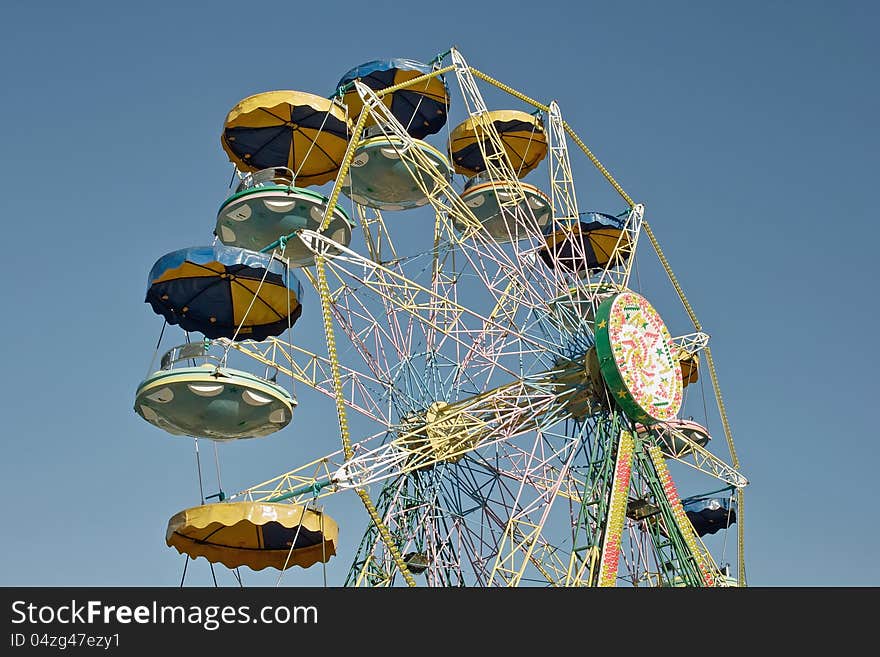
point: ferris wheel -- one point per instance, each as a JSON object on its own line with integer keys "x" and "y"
{"x": 510, "y": 407}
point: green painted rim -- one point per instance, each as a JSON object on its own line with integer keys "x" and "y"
{"x": 201, "y": 374}
{"x": 382, "y": 140}
{"x": 298, "y": 192}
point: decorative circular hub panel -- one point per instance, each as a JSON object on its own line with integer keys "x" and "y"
{"x": 636, "y": 359}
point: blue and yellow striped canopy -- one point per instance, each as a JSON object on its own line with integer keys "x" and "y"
{"x": 303, "y": 132}
{"x": 421, "y": 108}
{"x": 588, "y": 244}
{"x": 522, "y": 137}
{"x": 225, "y": 292}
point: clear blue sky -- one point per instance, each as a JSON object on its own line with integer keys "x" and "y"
{"x": 747, "y": 129}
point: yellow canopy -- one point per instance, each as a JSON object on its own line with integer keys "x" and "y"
{"x": 522, "y": 136}
{"x": 421, "y": 108}
{"x": 306, "y": 133}
{"x": 254, "y": 534}
{"x": 690, "y": 367}
{"x": 590, "y": 245}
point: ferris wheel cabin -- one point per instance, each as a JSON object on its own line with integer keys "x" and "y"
{"x": 210, "y": 400}
{"x": 254, "y": 534}
{"x": 383, "y": 176}
{"x": 498, "y": 199}
{"x": 676, "y": 437}
{"x": 266, "y": 211}
{"x": 389, "y": 172}
{"x": 585, "y": 246}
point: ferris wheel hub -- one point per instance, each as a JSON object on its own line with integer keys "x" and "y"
{"x": 444, "y": 433}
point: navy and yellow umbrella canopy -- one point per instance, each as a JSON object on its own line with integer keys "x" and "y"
{"x": 589, "y": 244}
{"x": 522, "y": 137}
{"x": 421, "y": 108}
{"x": 306, "y": 133}
{"x": 225, "y": 292}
